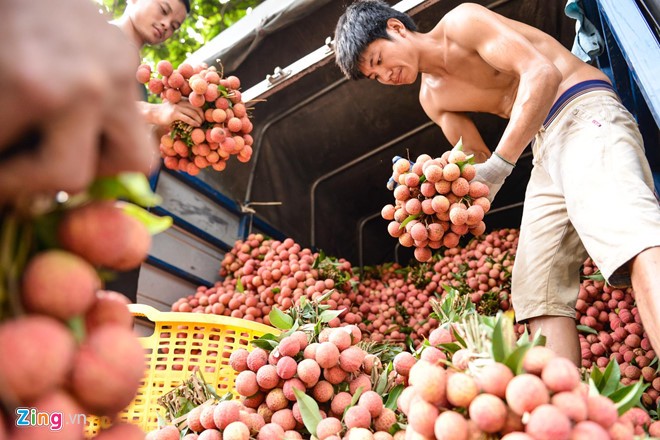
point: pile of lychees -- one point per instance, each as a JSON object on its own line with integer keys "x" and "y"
{"x": 472, "y": 398}
{"x": 335, "y": 372}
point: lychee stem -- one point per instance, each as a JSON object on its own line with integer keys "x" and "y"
{"x": 16, "y": 243}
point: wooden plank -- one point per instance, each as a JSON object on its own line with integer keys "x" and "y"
{"x": 197, "y": 209}
{"x": 160, "y": 289}
{"x": 187, "y": 252}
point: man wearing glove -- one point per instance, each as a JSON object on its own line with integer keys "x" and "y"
{"x": 493, "y": 172}
{"x": 573, "y": 115}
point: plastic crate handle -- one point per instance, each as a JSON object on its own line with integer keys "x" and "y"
{"x": 144, "y": 311}
{"x": 155, "y": 316}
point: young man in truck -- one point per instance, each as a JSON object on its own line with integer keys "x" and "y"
{"x": 149, "y": 22}
{"x": 588, "y": 153}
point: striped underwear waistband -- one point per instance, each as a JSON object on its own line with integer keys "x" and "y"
{"x": 572, "y": 93}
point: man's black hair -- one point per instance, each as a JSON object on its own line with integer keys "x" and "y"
{"x": 363, "y": 22}
{"x": 186, "y": 3}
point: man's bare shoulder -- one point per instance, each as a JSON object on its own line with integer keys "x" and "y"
{"x": 457, "y": 16}
{"x": 465, "y": 14}
{"x": 458, "y": 26}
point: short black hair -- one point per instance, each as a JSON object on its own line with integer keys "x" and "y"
{"x": 363, "y": 22}
{"x": 186, "y": 3}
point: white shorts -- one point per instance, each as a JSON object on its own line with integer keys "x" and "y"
{"x": 590, "y": 194}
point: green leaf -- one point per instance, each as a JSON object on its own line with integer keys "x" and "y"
{"x": 410, "y": 343}
{"x": 524, "y": 338}
{"x": 396, "y": 427}
{"x": 356, "y": 396}
{"x": 309, "y": 410}
{"x": 451, "y": 347}
{"x": 139, "y": 189}
{"x": 186, "y": 407}
{"x": 154, "y": 223}
{"x": 538, "y": 339}
{"x": 354, "y": 401}
{"x": 628, "y": 396}
{"x": 595, "y": 277}
{"x": 239, "y": 285}
{"x": 596, "y": 378}
{"x": 393, "y": 396}
{"x": 514, "y": 360}
{"x": 329, "y": 315}
{"x": 270, "y": 337}
{"x": 266, "y": 344}
{"x": 586, "y": 329}
{"x": 325, "y": 296}
{"x": 593, "y": 388}
{"x": 318, "y": 259}
{"x": 498, "y": 343}
{"x": 381, "y": 385}
{"x": 308, "y": 328}
{"x": 611, "y": 378}
{"x": 459, "y": 340}
{"x": 295, "y": 326}
{"x": 280, "y": 319}
{"x": 133, "y": 187}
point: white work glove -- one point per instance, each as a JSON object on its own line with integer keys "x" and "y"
{"x": 493, "y": 172}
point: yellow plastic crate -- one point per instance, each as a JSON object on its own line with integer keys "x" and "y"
{"x": 180, "y": 342}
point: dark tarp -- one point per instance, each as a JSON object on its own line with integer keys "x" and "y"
{"x": 323, "y": 145}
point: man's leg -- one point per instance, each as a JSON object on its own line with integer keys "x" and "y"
{"x": 645, "y": 277}
{"x": 561, "y": 336}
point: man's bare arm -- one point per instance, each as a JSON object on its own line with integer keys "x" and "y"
{"x": 509, "y": 52}
{"x": 457, "y": 126}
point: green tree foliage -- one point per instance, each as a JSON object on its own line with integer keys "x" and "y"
{"x": 207, "y": 19}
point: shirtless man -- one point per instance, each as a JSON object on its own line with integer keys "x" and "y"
{"x": 586, "y": 148}
{"x": 153, "y": 22}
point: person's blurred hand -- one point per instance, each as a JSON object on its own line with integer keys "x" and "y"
{"x": 67, "y": 88}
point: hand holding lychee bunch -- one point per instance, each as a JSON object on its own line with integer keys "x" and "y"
{"x": 437, "y": 201}
{"x": 226, "y": 127}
